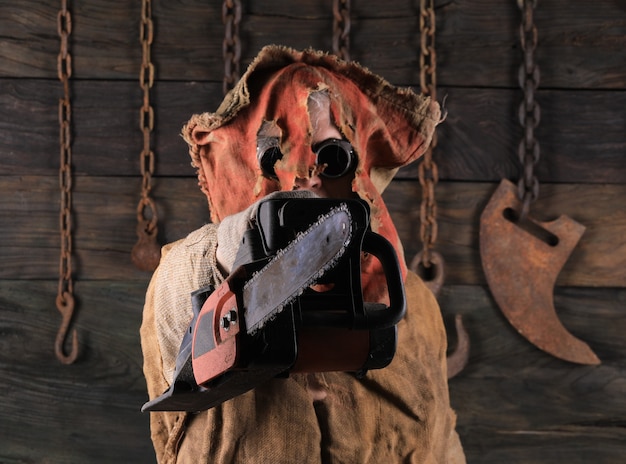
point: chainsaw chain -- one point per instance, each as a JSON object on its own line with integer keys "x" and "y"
{"x": 316, "y": 276}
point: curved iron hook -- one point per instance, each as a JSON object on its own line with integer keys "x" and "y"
{"x": 433, "y": 278}
{"x": 146, "y": 252}
{"x": 460, "y": 356}
{"x": 65, "y": 305}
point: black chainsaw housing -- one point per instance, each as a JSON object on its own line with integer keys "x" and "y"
{"x": 273, "y": 350}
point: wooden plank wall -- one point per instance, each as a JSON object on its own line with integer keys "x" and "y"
{"x": 515, "y": 403}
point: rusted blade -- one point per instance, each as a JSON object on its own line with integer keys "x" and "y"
{"x": 522, "y": 268}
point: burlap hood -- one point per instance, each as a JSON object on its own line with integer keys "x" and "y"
{"x": 388, "y": 126}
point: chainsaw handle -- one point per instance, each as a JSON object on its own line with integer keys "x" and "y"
{"x": 380, "y": 316}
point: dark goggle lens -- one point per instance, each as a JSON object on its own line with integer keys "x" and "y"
{"x": 337, "y": 157}
{"x": 268, "y": 159}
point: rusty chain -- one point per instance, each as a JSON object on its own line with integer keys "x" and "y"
{"x": 65, "y": 294}
{"x": 428, "y": 263}
{"x": 428, "y": 172}
{"x": 231, "y": 46}
{"x": 146, "y": 252}
{"x": 529, "y": 112}
{"x": 341, "y": 29}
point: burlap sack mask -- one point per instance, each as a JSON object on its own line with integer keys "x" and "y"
{"x": 388, "y": 127}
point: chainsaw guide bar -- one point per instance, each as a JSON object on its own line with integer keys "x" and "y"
{"x": 291, "y": 271}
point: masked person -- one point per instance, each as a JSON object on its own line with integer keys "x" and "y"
{"x": 275, "y": 132}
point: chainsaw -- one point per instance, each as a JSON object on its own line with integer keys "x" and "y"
{"x": 294, "y": 303}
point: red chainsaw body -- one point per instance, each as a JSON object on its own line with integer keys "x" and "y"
{"x": 220, "y": 320}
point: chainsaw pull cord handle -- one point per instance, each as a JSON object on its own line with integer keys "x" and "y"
{"x": 378, "y": 315}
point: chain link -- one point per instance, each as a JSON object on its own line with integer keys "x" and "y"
{"x": 432, "y": 262}
{"x": 341, "y": 29}
{"x": 428, "y": 172}
{"x": 231, "y": 46}
{"x": 529, "y": 111}
{"x": 146, "y": 252}
{"x": 146, "y": 112}
{"x": 65, "y": 294}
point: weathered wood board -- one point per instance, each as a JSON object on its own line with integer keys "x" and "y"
{"x": 599, "y": 260}
{"x": 512, "y": 400}
{"x": 105, "y": 207}
{"x": 582, "y": 43}
{"x": 517, "y": 404}
{"x": 86, "y": 412}
{"x": 581, "y": 135}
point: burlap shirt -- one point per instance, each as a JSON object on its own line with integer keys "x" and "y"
{"x": 400, "y": 414}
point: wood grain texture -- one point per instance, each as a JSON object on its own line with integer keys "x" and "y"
{"x": 106, "y": 132}
{"x": 516, "y": 403}
{"x": 582, "y": 46}
{"x": 105, "y": 225}
{"x": 598, "y": 260}
{"x": 86, "y": 412}
{"x": 581, "y": 134}
{"x": 512, "y": 400}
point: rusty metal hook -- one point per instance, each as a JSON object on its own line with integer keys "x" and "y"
{"x": 146, "y": 253}
{"x": 65, "y": 305}
{"x": 458, "y": 359}
{"x": 433, "y": 278}
{"x": 432, "y": 275}
{"x": 521, "y": 264}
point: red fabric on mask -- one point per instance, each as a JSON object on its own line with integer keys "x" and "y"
{"x": 388, "y": 127}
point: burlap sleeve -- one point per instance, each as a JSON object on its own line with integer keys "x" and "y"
{"x": 185, "y": 266}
